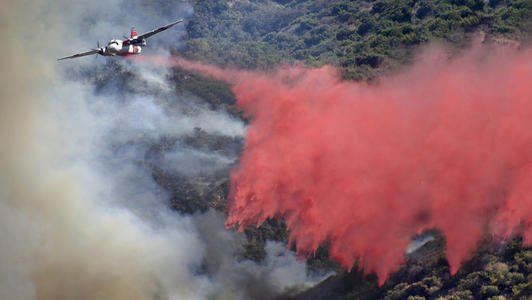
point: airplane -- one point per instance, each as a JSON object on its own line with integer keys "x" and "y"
{"x": 129, "y": 46}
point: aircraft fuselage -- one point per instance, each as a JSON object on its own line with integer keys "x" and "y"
{"x": 117, "y": 47}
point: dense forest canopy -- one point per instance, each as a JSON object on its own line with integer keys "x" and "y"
{"x": 361, "y": 37}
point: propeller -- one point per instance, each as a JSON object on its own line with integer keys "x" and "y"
{"x": 100, "y": 49}
{"x": 97, "y": 46}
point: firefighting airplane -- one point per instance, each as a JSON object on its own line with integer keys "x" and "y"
{"x": 128, "y": 46}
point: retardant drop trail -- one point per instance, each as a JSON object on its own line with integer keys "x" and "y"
{"x": 446, "y": 144}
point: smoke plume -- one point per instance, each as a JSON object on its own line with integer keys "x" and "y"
{"x": 445, "y": 144}
{"x": 80, "y": 214}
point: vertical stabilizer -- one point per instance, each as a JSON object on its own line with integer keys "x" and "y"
{"x": 133, "y": 32}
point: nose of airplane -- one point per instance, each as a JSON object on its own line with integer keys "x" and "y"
{"x": 113, "y": 47}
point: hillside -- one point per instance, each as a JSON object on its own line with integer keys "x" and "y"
{"x": 363, "y": 39}
{"x": 495, "y": 272}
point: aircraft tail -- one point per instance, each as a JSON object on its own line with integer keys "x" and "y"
{"x": 133, "y": 32}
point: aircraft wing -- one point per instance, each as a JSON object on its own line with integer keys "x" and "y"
{"x": 81, "y": 54}
{"x": 155, "y": 31}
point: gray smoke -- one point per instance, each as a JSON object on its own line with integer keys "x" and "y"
{"x": 80, "y": 214}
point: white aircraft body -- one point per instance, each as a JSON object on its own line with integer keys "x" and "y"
{"x": 128, "y": 46}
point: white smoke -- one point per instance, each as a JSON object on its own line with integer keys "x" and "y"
{"x": 80, "y": 215}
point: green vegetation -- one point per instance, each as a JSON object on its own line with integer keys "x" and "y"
{"x": 364, "y": 38}
{"x": 491, "y": 274}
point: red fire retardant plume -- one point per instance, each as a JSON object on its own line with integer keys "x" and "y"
{"x": 446, "y": 144}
